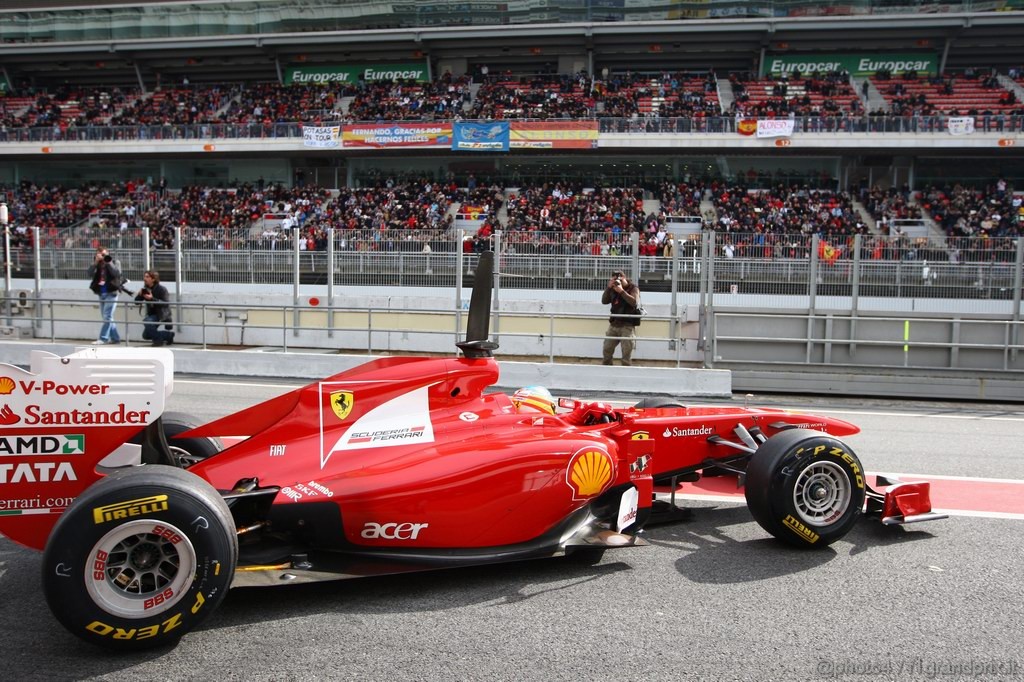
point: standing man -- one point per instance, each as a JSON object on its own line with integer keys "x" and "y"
{"x": 624, "y": 297}
{"x": 158, "y": 309}
{"x": 105, "y": 273}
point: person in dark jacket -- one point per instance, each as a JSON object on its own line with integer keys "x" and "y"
{"x": 158, "y": 309}
{"x": 106, "y": 282}
{"x": 624, "y": 297}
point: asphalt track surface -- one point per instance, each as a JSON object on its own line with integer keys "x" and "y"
{"x": 713, "y": 598}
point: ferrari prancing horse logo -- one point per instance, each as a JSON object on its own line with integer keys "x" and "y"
{"x": 341, "y": 403}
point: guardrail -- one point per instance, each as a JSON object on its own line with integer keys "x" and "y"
{"x": 548, "y": 336}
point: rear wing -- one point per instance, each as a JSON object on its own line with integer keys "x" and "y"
{"x": 65, "y": 419}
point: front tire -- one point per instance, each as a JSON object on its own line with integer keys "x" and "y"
{"x": 805, "y": 487}
{"x": 140, "y": 558}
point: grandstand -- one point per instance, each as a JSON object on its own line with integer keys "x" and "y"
{"x": 875, "y": 118}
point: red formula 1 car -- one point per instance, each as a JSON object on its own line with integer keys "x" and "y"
{"x": 401, "y": 464}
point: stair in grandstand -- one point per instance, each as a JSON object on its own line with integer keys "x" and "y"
{"x": 725, "y": 94}
{"x": 1016, "y": 87}
{"x": 866, "y": 217}
{"x": 652, "y": 207}
{"x": 708, "y": 213}
{"x": 874, "y": 100}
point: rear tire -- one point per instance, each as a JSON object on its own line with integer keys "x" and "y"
{"x": 140, "y": 558}
{"x": 805, "y": 487}
{"x": 184, "y": 452}
{"x": 187, "y": 451}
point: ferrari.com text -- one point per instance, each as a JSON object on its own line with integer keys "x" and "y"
{"x": 918, "y": 668}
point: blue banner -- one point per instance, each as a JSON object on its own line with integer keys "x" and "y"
{"x": 481, "y": 137}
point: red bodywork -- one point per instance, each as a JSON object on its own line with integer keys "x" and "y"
{"x": 411, "y": 453}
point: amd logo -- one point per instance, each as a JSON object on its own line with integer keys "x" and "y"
{"x": 392, "y": 531}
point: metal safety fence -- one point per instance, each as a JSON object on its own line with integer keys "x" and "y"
{"x": 697, "y": 281}
{"x": 852, "y": 266}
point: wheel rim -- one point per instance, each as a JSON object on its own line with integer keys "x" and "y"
{"x": 183, "y": 459}
{"x": 141, "y": 567}
{"x": 822, "y": 494}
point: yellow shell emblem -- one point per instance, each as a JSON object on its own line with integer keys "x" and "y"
{"x": 6, "y": 385}
{"x": 590, "y": 473}
{"x": 341, "y": 403}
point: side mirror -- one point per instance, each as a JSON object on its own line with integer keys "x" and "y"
{"x": 568, "y": 403}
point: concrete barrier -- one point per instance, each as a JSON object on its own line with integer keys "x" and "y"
{"x": 562, "y": 378}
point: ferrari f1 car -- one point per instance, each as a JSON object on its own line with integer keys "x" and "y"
{"x": 401, "y": 464}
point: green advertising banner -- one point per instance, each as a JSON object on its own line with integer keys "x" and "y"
{"x": 353, "y": 74}
{"x": 925, "y": 63}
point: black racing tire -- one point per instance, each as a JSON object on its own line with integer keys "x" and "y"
{"x": 185, "y": 451}
{"x": 651, "y": 403}
{"x": 805, "y": 487}
{"x": 140, "y": 558}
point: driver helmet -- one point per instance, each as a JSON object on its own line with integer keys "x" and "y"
{"x": 535, "y": 398}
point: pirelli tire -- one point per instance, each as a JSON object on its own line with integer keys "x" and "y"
{"x": 805, "y": 487}
{"x": 187, "y": 451}
{"x": 140, "y": 558}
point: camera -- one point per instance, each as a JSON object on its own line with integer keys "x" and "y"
{"x": 107, "y": 258}
{"x": 618, "y": 282}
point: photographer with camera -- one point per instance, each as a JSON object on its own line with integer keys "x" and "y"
{"x": 624, "y": 297}
{"x": 106, "y": 282}
{"x": 158, "y": 309}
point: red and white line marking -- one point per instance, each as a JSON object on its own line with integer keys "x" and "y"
{"x": 996, "y": 498}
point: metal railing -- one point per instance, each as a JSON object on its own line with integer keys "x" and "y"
{"x": 260, "y": 17}
{"x": 688, "y": 293}
{"x": 642, "y": 125}
{"x": 851, "y": 266}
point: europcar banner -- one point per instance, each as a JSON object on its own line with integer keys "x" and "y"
{"x": 961, "y": 125}
{"x": 857, "y": 64}
{"x": 553, "y": 135}
{"x": 353, "y": 74}
{"x": 321, "y": 137}
{"x": 774, "y": 127}
{"x": 481, "y": 137}
{"x": 382, "y": 135}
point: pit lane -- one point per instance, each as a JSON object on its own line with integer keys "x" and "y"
{"x": 711, "y": 598}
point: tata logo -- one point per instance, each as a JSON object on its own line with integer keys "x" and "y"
{"x": 341, "y": 403}
{"x": 392, "y": 531}
{"x": 42, "y": 445}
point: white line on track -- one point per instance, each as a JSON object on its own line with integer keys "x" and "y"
{"x": 916, "y": 415}
{"x": 938, "y": 477}
{"x": 737, "y": 500}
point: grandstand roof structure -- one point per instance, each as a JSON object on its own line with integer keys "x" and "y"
{"x": 50, "y": 41}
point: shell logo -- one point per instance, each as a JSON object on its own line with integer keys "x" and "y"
{"x": 6, "y": 385}
{"x": 589, "y": 473}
